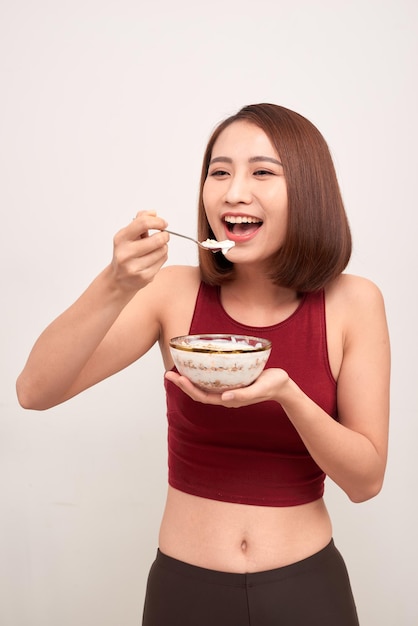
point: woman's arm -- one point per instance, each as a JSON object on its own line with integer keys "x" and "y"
{"x": 352, "y": 451}
{"x": 93, "y": 338}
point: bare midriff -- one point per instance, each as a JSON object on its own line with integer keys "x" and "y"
{"x": 241, "y": 538}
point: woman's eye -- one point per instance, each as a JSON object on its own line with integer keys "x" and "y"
{"x": 263, "y": 173}
{"x": 219, "y": 173}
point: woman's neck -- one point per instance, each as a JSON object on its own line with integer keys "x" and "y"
{"x": 256, "y": 300}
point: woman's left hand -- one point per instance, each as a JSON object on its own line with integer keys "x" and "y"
{"x": 267, "y": 387}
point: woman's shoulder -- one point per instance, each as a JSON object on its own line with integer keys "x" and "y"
{"x": 172, "y": 286}
{"x": 354, "y": 288}
{"x": 178, "y": 277}
{"x": 353, "y": 299}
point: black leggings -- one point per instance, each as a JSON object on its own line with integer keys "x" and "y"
{"x": 312, "y": 592}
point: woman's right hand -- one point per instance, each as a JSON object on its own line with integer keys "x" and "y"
{"x": 137, "y": 255}
{"x": 93, "y": 338}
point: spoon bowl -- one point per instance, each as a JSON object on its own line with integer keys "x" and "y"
{"x": 208, "y": 244}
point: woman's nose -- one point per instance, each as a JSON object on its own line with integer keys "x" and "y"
{"x": 238, "y": 191}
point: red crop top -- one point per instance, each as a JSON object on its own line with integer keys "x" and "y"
{"x": 252, "y": 455}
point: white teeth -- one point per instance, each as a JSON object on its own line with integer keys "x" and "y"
{"x": 242, "y": 219}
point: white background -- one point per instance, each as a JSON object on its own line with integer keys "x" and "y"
{"x": 105, "y": 109}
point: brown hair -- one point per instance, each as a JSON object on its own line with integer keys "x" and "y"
{"x": 317, "y": 246}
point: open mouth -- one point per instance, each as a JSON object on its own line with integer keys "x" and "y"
{"x": 242, "y": 225}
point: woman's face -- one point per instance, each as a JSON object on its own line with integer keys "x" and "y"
{"x": 245, "y": 194}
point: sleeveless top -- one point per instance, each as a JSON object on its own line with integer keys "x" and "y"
{"x": 252, "y": 455}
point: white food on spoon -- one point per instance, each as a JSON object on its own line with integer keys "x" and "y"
{"x": 225, "y": 245}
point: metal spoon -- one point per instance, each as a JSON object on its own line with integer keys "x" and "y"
{"x": 209, "y": 244}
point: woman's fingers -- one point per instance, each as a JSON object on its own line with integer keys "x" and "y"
{"x": 145, "y": 221}
{"x": 267, "y": 387}
{"x": 137, "y": 255}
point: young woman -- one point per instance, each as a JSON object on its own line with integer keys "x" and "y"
{"x": 246, "y": 538}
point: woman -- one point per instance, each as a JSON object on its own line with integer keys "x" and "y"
{"x": 246, "y": 537}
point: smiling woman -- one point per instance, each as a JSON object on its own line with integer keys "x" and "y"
{"x": 245, "y": 537}
{"x": 294, "y": 150}
{"x": 244, "y": 193}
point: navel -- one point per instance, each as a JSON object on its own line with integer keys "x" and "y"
{"x": 244, "y": 545}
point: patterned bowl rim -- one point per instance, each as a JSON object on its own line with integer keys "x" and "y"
{"x": 178, "y": 343}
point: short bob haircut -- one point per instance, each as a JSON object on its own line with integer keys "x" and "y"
{"x": 317, "y": 246}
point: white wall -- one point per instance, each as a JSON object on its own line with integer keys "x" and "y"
{"x": 105, "y": 108}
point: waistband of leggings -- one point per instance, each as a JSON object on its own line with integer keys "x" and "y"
{"x": 250, "y": 579}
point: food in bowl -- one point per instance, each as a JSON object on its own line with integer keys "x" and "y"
{"x": 218, "y": 362}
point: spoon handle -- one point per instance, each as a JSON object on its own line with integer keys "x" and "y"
{"x": 183, "y": 236}
{"x": 201, "y": 245}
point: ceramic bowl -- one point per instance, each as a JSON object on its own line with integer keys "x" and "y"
{"x": 218, "y": 362}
